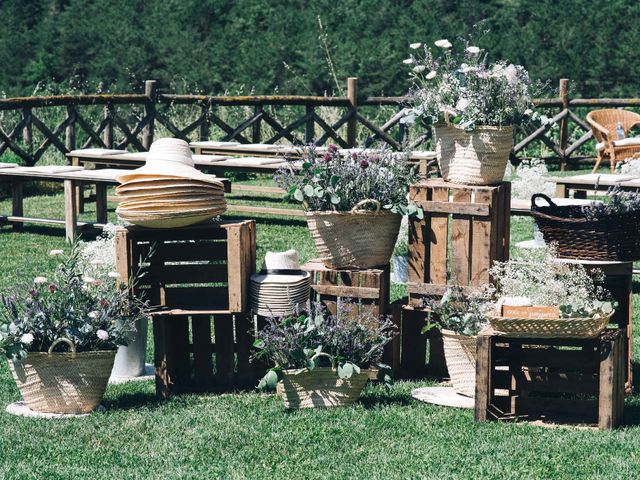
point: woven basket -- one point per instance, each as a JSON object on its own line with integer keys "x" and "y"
{"x": 579, "y": 327}
{"x": 616, "y": 237}
{"x": 320, "y": 387}
{"x": 460, "y": 354}
{"x": 478, "y": 157}
{"x": 72, "y": 383}
{"x": 355, "y": 239}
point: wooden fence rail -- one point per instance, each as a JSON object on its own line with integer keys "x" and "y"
{"x": 563, "y": 135}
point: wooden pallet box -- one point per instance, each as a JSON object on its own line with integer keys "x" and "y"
{"x": 464, "y": 230}
{"x": 196, "y": 279}
{"x": 552, "y": 380}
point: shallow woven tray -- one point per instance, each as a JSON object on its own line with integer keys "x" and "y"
{"x": 579, "y": 327}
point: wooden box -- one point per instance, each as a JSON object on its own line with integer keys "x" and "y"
{"x": 552, "y": 380}
{"x": 204, "y": 267}
{"x": 196, "y": 279}
{"x": 368, "y": 288}
{"x": 422, "y": 354}
{"x": 464, "y": 230}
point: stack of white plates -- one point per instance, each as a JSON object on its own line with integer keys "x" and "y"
{"x": 163, "y": 202}
{"x": 279, "y": 295}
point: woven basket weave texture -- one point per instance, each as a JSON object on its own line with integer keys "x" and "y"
{"x": 460, "y": 354}
{"x": 478, "y": 157}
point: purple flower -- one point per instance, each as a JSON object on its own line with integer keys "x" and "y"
{"x": 364, "y": 163}
{"x": 33, "y": 292}
{"x": 104, "y": 303}
{"x": 327, "y": 157}
{"x": 53, "y": 287}
{"x": 332, "y": 148}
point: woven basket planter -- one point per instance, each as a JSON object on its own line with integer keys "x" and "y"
{"x": 478, "y": 157}
{"x": 72, "y": 383}
{"x": 460, "y": 354}
{"x": 321, "y": 387}
{"x": 355, "y": 239}
{"x": 578, "y": 327}
{"x": 616, "y": 237}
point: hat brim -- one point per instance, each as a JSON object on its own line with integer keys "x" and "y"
{"x": 162, "y": 169}
{"x": 262, "y": 279}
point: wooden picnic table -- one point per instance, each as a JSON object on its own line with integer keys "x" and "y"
{"x": 72, "y": 177}
{"x": 581, "y": 184}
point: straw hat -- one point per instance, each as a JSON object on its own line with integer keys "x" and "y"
{"x": 168, "y": 158}
{"x": 281, "y": 287}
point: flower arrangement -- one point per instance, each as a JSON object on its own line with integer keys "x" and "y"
{"x": 93, "y": 314}
{"x": 462, "y": 87}
{"x": 538, "y": 278}
{"x": 355, "y": 341}
{"x": 617, "y": 203}
{"x": 463, "y": 314}
{"x": 529, "y": 179}
{"x": 333, "y": 182}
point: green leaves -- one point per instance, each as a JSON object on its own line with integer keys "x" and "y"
{"x": 270, "y": 380}
{"x": 298, "y": 195}
{"x": 346, "y": 370}
{"x": 308, "y": 190}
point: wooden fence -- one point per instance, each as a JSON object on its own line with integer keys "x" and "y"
{"x": 23, "y": 119}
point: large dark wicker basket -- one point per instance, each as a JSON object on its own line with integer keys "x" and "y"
{"x": 615, "y": 237}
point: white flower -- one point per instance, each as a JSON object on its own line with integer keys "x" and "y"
{"x": 113, "y": 275}
{"x": 102, "y": 335}
{"x": 419, "y": 68}
{"x": 93, "y": 314}
{"x": 511, "y": 74}
{"x": 407, "y": 61}
{"x": 27, "y": 339}
{"x": 56, "y": 252}
{"x": 415, "y": 46}
{"x": 40, "y": 280}
{"x": 528, "y": 111}
{"x": 462, "y": 104}
{"x": 431, "y": 75}
{"x": 87, "y": 279}
{"x": 472, "y": 49}
{"x": 444, "y": 43}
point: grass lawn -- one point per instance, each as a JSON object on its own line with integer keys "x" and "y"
{"x": 249, "y": 435}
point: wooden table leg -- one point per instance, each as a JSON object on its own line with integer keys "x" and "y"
{"x": 70, "y": 210}
{"x": 101, "y": 203}
{"x": 561, "y": 191}
{"x": 78, "y": 189}
{"x": 17, "y": 202}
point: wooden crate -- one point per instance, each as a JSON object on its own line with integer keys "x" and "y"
{"x": 465, "y": 229}
{"x": 204, "y": 267}
{"x": 368, "y": 288}
{"x": 421, "y": 354}
{"x": 196, "y": 280}
{"x": 555, "y": 380}
{"x": 618, "y": 280}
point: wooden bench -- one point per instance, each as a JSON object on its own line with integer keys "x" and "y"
{"x": 72, "y": 178}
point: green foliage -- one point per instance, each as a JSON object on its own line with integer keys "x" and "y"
{"x": 217, "y": 45}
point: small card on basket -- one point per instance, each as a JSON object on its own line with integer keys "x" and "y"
{"x": 535, "y": 311}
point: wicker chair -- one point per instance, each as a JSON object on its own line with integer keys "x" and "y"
{"x": 603, "y": 124}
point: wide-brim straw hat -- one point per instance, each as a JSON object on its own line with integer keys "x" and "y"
{"x": 281, "y": 268}
{"x": 168, "y": 158}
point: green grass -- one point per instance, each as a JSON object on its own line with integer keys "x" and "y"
{"x": 249, "y": 435}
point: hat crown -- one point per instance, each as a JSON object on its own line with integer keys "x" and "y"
{"x": 282, "y": 260}
{"x": 170, "y": 150}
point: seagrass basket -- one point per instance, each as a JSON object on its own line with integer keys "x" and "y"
{"x": 355, "y": 239}
{"x": 616, "y": 237}
{"x": 71, "y": 383}
{"x": 577, "y": 327}
{"x": 478, "y": 157}
{"x": 460, "y": 354}
{"x": 321, "y": 387}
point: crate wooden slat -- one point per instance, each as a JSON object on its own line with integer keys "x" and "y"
{"x": 422, "y": 354}
{"x": 465, "y": 229}
{"x": 554, "y": 380}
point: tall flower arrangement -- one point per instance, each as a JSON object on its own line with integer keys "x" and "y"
{"x": 461, "y": 86}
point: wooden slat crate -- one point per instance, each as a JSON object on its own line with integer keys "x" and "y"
{"x": 368, "y": 288}
{"x": 204, "y": 267}
{"x": 553, "y": 380}
{"x": 422, "y": 354}
{"x": 196, "y": 280}
{"x": 465, "y": 229}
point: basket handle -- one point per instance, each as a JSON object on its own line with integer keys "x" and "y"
{"x": 72, "y": 347}
{"x": 358, "y": 205}
{"x": 536, "y": 196}
{"x": 323, "y": 354}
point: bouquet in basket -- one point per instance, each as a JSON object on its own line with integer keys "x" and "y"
{"x": 322, "y": 359}
{"x": 543, "y": 295}
{"x": 354, "y": 203}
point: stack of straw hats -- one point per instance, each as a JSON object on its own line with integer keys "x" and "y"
{"x": 168, "y": 191}
{"x": 281, "y": 288}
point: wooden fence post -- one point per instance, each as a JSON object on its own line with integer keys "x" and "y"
{"x": 309, "y": 129}
{"x": 150, "y": 91}
{"x": 70, "y": 131}
{"x": 352, "y": 96}
{"x": 256, "y": 129}
{"x": 27, "y": 133}
{"x": 564, "y": 124}
{"x": 107, "y": 134}
{"x": 204, "y": 126}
